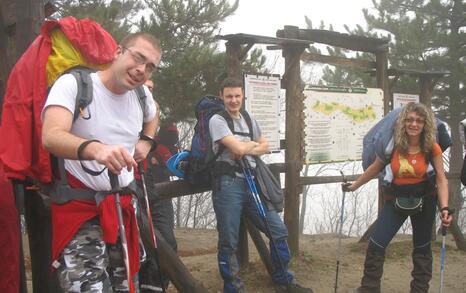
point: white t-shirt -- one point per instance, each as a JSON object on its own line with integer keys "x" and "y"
{"x": 114, "y": 120}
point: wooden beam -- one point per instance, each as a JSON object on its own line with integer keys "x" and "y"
{"x": 176, "y": 188}
{"x": 179, "y": 188}
{"x": 312, "y": 180}
{"x": 338, "y": 61}
{"x": 351, "y": 42}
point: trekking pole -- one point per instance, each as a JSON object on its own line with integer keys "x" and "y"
{"x": 151, "y": 224}
{"x": 442, "y": 258}
{"x": 260, "y": 207}
{"x": 340, "y": 231}
{"x": 443, "y": 254}
{"x": 115, "y": 184}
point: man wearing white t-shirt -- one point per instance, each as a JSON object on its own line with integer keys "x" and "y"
{"x": 115, "y": 132}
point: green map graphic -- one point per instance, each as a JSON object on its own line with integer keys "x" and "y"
{"x": 357, "y": 115}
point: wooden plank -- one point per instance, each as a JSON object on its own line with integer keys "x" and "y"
{"x": 339, "y": 61}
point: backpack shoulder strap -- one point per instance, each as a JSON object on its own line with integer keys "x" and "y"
{"x": 248, "y": 119}
{"x": 229, "y": 120}
{"x": 141, "y": 93}
{"x": 85, "y": 94}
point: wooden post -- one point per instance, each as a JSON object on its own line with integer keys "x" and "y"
{"x": 381, "y": 62}
{"x": 233, "y": 69}
{"x": 293, "y": 136}
{"x": 29, "y": 17}
{"x": 8, "y": 52}
{"x": 233, "y": 62}
{"x": 426, "y": 87}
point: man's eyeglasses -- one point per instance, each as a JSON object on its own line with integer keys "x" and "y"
{"x": 417, "y": 120}
{"x": 141, "y": 59}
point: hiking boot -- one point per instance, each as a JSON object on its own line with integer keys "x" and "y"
{"x": 292, "y": 288}
{"x": 373, "y": 270}
{"x": 422, "y": 270}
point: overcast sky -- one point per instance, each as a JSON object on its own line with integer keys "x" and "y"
{"x": 264, "y": 17}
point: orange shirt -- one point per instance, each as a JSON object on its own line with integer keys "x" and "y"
{"x": 411, "y": 169}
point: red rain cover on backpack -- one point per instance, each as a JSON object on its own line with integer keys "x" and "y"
{"x": 9, "y": 241}
{"x": 21, "y": 147}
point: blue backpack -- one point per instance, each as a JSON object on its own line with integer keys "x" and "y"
{"x": 197, "y": 165}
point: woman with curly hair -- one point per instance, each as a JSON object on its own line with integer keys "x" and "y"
{"x": 412, "y": 193}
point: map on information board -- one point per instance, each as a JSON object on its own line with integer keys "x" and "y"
{"x": 336, "y": 123}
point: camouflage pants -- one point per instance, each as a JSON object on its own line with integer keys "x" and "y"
{"x": 88, "y": 265}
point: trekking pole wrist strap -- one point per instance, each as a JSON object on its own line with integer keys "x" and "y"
{"x": 148, "y": 138}
{"x": 84, "y": 145}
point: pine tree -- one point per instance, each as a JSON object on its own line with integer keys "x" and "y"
{"x": 192, "y": 65}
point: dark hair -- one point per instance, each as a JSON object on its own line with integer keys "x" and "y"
{"x": 131, "y": 38}
{"x": 231, "y": 82}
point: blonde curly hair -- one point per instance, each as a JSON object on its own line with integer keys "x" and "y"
{"x": 428, "y": 134}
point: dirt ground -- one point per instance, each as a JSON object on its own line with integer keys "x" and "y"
{"x": 316, "y": 265}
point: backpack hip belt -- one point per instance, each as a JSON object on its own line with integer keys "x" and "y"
{"x": 63, "y": 193}
{"x": 409, "y": 199}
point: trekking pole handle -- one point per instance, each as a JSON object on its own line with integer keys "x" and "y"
{"x": 241, "y": 163}
{"x": 444, "y": 229}
{"x": 345, "y": 180}
{"x": 114, "y": 183}
{"x": 141, "y": 168}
